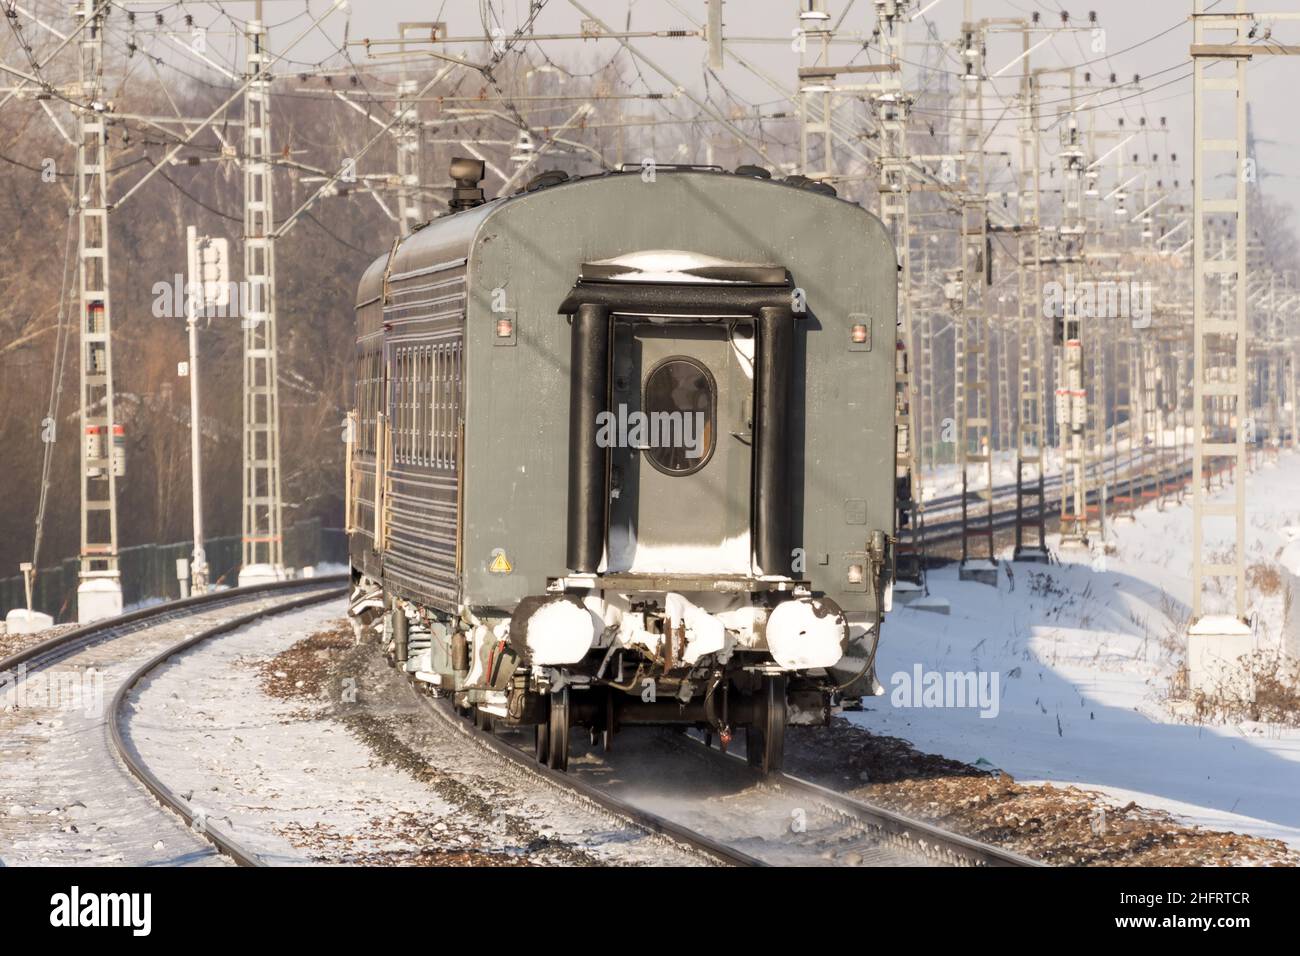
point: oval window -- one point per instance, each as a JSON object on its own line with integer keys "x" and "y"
{"x": 679, "y": 401}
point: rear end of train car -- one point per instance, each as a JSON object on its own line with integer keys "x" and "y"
{"x": 623, "y": 453}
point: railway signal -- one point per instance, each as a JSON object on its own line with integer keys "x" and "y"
{"x": 1030, "y": 428}
{"x": 208, "y": 285}
{"x": 971, "y": 357}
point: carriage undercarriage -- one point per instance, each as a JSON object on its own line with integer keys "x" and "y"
{"x": 738, "y": 697}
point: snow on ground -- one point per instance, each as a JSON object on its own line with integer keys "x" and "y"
{"x": 207, "y": 730}
{"x": 1078, "y": 659}
{"x": 292, "y": 778}
{"x": 65, "y": 796}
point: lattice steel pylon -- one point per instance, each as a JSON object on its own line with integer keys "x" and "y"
{"x": 263, "y": 541}
{"x": 1031, "y": 504}
{"x": 1127, "y": 401}
{"x": 925, "y": 412}
{"x": 1290, "y": 375}
{"x": 974, "y": 407}
{"x": 1151, "y": 485}
{"x": 1071, "y": 391}
{"x": 892, "y": 108}
{"x": 1210, "y": 326}
{"x": 408, "y": 161}
{"x": 1227, "y": 276}
{"x": 99, "y": 590}
{"x": 814, "y": 30}
{"x": 1002, "y": 334}
{"x": 1219, "y": 375}
{"x": 407, "y": 134}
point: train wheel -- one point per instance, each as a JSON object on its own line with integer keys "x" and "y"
{"x": 542, "y": 735}
{"x": 774, "y": 709}
{"x": 607, "y": 735}
{"x": 558, "y": 755}
{"x": 482, "y": 719}
{"x": 765, "y": 738}
{"x": 754, "y": 745}
{"x": 543, "y": 741}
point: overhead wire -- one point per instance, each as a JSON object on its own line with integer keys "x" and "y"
{"x": 61, "y": 340}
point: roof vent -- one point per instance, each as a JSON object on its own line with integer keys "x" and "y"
{"x": 551, "y": 177}
{"x": 812, "y": 185}
{"x": 466, "y": 174}
{"x": 758, "y": 172}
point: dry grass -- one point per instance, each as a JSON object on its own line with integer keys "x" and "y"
{"x": 302, "y": 669}
{"x": 1276, "y": 680}
{"x": 1264, "y": 579}
{"x": 1174, "y": 639}
{"x": 1062, "y": 825}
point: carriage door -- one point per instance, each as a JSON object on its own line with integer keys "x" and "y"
{"x": 682, "y": 406}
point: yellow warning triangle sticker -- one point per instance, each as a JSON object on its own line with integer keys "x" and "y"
{"x": 500, "y": 563}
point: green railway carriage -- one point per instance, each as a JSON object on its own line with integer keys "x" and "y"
{"x": 623, "y": 452}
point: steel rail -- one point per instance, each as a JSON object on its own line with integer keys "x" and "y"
{"x": 89, "y": 634}
{"x": 941, "y": 531}
{"x": 642, "y": 819}
{"x": 55, "y": 648}
{"x": 934, "y": 841}
{"x": 1007, "y": 489}
{"x": 911, "y": 834}
{"x": 169, "y": 799}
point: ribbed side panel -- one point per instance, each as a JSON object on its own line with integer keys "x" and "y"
{"x": 420, "y": 349}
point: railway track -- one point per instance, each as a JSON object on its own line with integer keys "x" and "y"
{"x": 885, "y": 831}
{"x": 949, "y": 529}
{"x": 133, "y": 647}
{"x": 588, "y": 794}
{"x": 1051, "y": 485}
{"x": 873, "y": 831}
{"x": 846, "y": 831}
{"x": 938, "y": 532}
{"x": 729, "y": 812}
{"x": 87, "y": 749}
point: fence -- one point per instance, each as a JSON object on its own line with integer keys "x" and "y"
{"x": 149, "y": 570}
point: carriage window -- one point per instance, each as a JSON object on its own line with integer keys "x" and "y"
{"x": 679, "y": 399}
{"x": 424, "y": 384}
